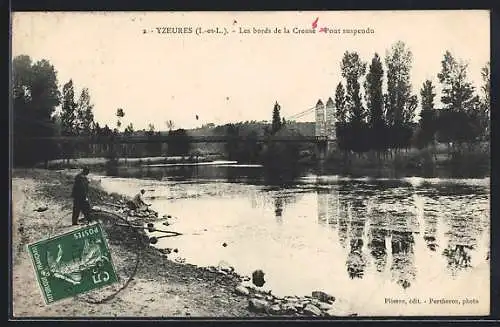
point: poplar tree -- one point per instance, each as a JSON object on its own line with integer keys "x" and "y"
{"x": 375, "y": 103}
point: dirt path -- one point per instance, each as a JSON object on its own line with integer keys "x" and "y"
{"x": 160, "y": 288}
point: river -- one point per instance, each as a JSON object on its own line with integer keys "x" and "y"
{"x": 363, "y": 240}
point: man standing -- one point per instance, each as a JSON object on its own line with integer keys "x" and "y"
{"x": 79, "y": 194}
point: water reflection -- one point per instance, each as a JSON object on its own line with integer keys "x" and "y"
{"x": 430, "y": 219}
{"x": 358, "y": 231}
{"x": 458, "y": 256}
{"x": 278, "y": 211}
{"x": 356, "y": 262}
{"x": 343, "y": 224}
{"x": 230, "y": 173}
{"x": 463, "y": 233}
{"x": 383, "y": 227}
{"x": 322, "y": 206}
{"x": 403, "y": 258}
{"x": 378, "y": 236}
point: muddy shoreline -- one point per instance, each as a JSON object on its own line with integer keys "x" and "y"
{"x": 209, "y": 292}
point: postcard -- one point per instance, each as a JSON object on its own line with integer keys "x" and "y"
{"x": 317, "y": 164}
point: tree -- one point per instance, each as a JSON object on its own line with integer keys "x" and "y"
{"x": 409, "y": 110}
{"x": 485, "y": 101}
{"x": 340, "y": 104}
{"x": 341, "y": 118}
{"x": 457, "y": 91}
{"x": 97, "y": 129}
{"x": 35, "y": 97}
{"x": 373, "y": 87}
{"x": 427, "y": 95}
{"x": 398, "y": 61}
{"x": 106, "y": 131}
{"x": 458, "y": 97}
{"x": 485, "y": 74}
{"x": 401, "y": 104}
{"x": 45, "y": 94}
{"x": 56, "y": 118}
{"x": 427, "y": 124}
{"x": 68, "y": 118}
{"x": 375, "y": 103}
{"x": 129, "y": 130}
{"x": 84, "y": 118}
{"x": 276, "y": 122}
{"x": 355, "y": 132}
{"x": 170, "y": 124}
{"x": 352, "y": 69}
{"x": 85, "y": 114}
{"x": 68, "y": 110}
{"x": 119, "y": 114}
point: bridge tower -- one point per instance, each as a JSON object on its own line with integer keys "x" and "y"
{"x": 330, "y": 124}
{"x": 320, "y": 124}
{"x": 320, "y": 131}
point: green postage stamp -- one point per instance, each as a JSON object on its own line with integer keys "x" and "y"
{"x": 72, "y": 263}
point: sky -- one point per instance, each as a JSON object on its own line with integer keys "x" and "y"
{"x": 235, "y": 77}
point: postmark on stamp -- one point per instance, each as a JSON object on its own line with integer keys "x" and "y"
{"x": 72, "y": 263}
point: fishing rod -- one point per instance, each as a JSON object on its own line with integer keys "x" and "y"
{"x": 150, "y": 229}
{"x": 154, "y": 239}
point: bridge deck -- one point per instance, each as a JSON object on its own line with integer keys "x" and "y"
{"x": 190, "y": 139}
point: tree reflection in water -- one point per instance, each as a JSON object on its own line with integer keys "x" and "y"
{"x": 343, "y": 223}
{"x": 377, "y": 236}
{"x": 278, "y": 203}
{"x": 322, "y": 206}
{"x": 356, "y": 262}
{"x": 403, "y": 261}
{"x": 430, "y": 230}
{"x": 282, "y": 198}
{"x": 463, "y": 233}
{"x": 278, "y": 209}
{"x": 458, "y": 256}
{"x": 360, "y": 225}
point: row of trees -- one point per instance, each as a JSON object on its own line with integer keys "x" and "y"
{"x": 179, "y": 146}
{"x": 387, "y": 120}
{"x": 77, "y": 117}
{"x": 36, "y": 98}
{"x": 375, "y": 110}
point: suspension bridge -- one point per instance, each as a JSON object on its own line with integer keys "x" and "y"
{"x": 324, "y": 132}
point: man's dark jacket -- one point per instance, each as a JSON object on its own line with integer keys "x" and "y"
{"x": 80, "y": 187}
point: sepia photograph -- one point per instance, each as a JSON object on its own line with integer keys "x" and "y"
{"x": 318, "y": 164}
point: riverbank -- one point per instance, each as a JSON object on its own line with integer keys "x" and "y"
{"x": 102, "y": 162}
{"x": 428, "y": 162}
{"x": 158, "y": 287}
{"x": 441, "y": 161}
